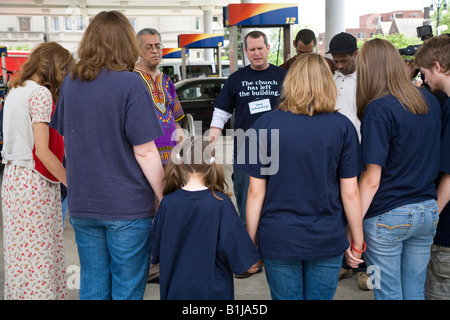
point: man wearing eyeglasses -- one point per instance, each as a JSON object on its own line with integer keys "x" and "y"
{"x": 162, "y": 91}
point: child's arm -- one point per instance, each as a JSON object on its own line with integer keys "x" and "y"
{"x": 255, "y": 201}
{"x": 353, "y": 211}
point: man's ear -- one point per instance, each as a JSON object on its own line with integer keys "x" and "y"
{"x": 437, "y": 67}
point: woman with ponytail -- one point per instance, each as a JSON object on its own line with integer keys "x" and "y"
{"x": 198, "y": 239}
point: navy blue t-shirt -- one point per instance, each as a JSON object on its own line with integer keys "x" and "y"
{"x": 302, "y": 215}
{"x": 442, "y": 237}
{"x": 199, "y": 242}
{"x": 101, "y": 121}
{"x": 406, "y": 146}
{"x": 246, "y": 91}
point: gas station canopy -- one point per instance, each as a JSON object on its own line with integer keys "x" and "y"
{"x": 93, "y": 7}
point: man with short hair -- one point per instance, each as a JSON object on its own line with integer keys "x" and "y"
{"x": 305, "y": 42}
{"x": 344, "y": 49}
{"x": 249, "y": 93}
{"x": 433, "y": 58}
{"x": 161, "y": 89}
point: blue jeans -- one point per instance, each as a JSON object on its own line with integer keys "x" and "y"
{"x": 303, "y": 279}
{"x": 114, "y": 257}
{"x": 398, "y": 248}
{"x": 241, "y": 182}
{"x": 64, "y": 209}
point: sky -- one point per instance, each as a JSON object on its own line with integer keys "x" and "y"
{"x": 312, "y": 13}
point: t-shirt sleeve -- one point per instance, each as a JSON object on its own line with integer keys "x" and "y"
{"x": 375, "y": 130}
{"x": 235, "y": 245}
{"x": 57, "y": 118}
{"x": 225, "y": 99}
{"x": 40, "y": 105}
{"x": 141, "y": 124}
{"x": 351, "y": 163}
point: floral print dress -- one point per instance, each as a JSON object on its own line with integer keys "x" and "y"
{"x": 32, "y": 224}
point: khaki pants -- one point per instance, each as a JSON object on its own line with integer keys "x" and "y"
{"x": 437, "y": 286}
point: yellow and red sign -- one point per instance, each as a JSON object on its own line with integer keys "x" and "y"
{"x": 260, "y": 14}
{"x": 202, "y": 40}
{"x": 169, "y": 53}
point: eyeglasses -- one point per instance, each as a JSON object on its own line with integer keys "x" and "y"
{"x": 157, "y": 46}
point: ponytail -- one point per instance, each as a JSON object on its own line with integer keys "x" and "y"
{"x": 215, "y": 180}
{"x": 173, "y": 178}
{"x": 190, "y": 158}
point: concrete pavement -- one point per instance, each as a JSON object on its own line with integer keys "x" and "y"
{"x": 252, "y": 288}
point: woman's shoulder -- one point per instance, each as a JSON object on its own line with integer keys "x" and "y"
{"x": 39, "y": 92}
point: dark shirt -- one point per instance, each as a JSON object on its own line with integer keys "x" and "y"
{"x": 302, "y": 216}
{"x": 199, "y": 242}
{"x": 406, "y": 146}
{"x": 247, "y": 87}
{"x": 442, "y": 237}
{"x": 101, "y": 120}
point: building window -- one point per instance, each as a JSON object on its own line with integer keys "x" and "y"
{"x": 74, "y": 23}
{"x": 197, "y": 23}
{"x": 133, "y": 23}
{"x": 361, "y": 35}
{"x": 56, "y": 24}
{"x": 24, "y": 24}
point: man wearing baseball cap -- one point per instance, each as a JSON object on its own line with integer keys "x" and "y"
{"x": 344, "y": 49}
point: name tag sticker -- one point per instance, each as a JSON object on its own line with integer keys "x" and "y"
{"x": 259, "y": 106}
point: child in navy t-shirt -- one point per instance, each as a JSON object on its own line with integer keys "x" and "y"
{"x": 198, "y": 238}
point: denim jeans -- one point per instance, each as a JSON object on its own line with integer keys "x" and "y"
{"x": 114, "y": 257}
{"x": 241, "y": 182}
{"x": 438, "y": 274}
{"x": 64, "y": 209}
{"x": 303, "y": 279}
{"x": 398, "y": 249}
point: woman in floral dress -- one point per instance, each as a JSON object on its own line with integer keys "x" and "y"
{"x": 31, "y": 200}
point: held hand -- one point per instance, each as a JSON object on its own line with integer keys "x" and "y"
{"x": 353, "y": 258}
{"x": 255, "y": 267}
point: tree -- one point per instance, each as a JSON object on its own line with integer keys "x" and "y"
{"x": 275, "y": 37}
{"x": 444, "y": 20}
{"x": 400, "y": 41}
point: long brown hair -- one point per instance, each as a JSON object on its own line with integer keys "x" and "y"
{"x": 381, "y": 71}
{"x": 109, "y": 43}
{"x": 50, "y": 62}
{"x": 309, "y": 87}
{"x": 195, "y": 155}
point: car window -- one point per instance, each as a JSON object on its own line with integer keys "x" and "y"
{"x": 194, "y": 71}
{"x": 200, "y": 91}
{"x": 169, "y": 70}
